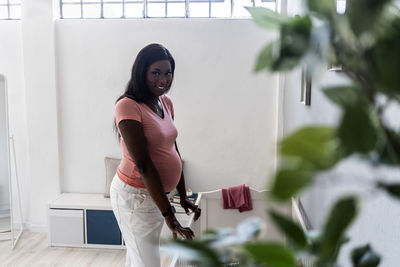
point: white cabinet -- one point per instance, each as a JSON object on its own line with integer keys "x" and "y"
{"x": 66, "y": 227}
{"x": 83, "y": 220}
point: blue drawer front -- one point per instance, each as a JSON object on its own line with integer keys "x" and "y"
{"x": 102, "y": 228}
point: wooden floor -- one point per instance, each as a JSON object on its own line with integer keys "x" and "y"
{"x": 32, "y": 251}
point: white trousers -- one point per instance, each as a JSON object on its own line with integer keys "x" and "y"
{"x": 140, "y": 222}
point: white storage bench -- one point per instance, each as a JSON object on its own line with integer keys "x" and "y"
{"x": 87, "y": 220}
{"x": 83, "y": 220}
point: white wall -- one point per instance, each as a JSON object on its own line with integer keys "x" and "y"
{"x": 225, "y": 114}
{"x": 41, "y": 107}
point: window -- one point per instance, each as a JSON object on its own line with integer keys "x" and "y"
{"x": 10, "y": 9}
{"x": 340, "y": 6}
{"x": 159, "y": 8}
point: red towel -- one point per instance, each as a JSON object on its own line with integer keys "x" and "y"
{"x": 237, "y": 197}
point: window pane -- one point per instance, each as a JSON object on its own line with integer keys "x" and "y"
{"x": 134, "y": 10}
{"x": 3, "y": 2}
{"x": 341, "y": 6}
{"x": 91, "y": 11}
{"x": 71, "y": 11}
{"x": 199, "y": 10}
{"x": 71, "y": 1}
{"x": 239, "y": 10}
{"x": 221, "y": 9}
{"x": 176, "y": 9}
{"x": 155, "y": 9}
{"x": 91, "y": 1}
{"x": 269, "y": 5}
{"x": 3, "y": 12}
{"x": 15, "y": 1}
{"x": 15, "y": 12}
{"x": 112, "y": 10}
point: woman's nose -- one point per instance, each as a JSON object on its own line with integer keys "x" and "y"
{"x": 163, "y": 80}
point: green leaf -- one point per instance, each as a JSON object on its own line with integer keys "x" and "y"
{"x": 266, "y": 58}
{"x": 290, "y": 180}
{"x": 266, "y": 18}
{"x": 363, "y": 14}
{"x": 345, "y": 96}
{"x": 323, "y": 7}
{"x": 286, "y": 53}
{"x": 285, "y": 63}
{"x": 386, "y": 59}
{"x": 294, "y": 42}
{"x": 271, "y": 254}
{"x": 291, "y": 229}
{"x": 340, "y": 217}
{"x": 365, "y": 257}
{"x": 392, "y": 189}
{"x": 357, "y": 131}
{"x": 315, "y": 144}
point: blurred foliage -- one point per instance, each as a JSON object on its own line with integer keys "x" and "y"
{"x": 333, "y": 232}
{"x": 364, "y": 42}
{"x": 364, "y": 257}
{"x": 291, "y": 229}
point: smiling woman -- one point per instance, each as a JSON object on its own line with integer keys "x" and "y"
{"x": 151, "y": 166}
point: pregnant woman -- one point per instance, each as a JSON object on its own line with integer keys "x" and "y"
{"x": 151, "y": 166}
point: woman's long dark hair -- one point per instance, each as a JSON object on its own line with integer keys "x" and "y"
{"x": 136, "y": 88}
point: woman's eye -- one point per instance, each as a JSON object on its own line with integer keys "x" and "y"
{"x": 155, "y": 73}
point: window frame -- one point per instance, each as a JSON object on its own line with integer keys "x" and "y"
{"x": 145, "y": 14}
{"x": 8, "y": 5}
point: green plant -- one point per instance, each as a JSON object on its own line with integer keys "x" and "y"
{"x": 365, "y": 43}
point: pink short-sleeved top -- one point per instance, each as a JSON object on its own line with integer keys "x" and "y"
{"x": 160, "y": 134}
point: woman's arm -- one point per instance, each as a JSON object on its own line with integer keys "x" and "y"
{"x": 132, "y": 132}
{"x": 185, "y": 202}
{"x": 181, "y": 187}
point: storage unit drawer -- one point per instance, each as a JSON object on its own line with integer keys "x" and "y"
{"x": 102, "y": 228}
{"x": 66, "y": 227}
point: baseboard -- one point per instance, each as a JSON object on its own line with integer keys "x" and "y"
{"x": 31, "y": 227}
{"x": 40, "y": 228}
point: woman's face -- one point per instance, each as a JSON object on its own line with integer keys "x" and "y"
{"x": 159, "y": 77}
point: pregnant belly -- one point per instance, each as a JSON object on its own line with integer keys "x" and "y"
{"x": 170, "y": 169}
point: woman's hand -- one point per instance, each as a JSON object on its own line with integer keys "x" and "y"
{"x": 187, "y": 205}
{"x": 177, "y": 229}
